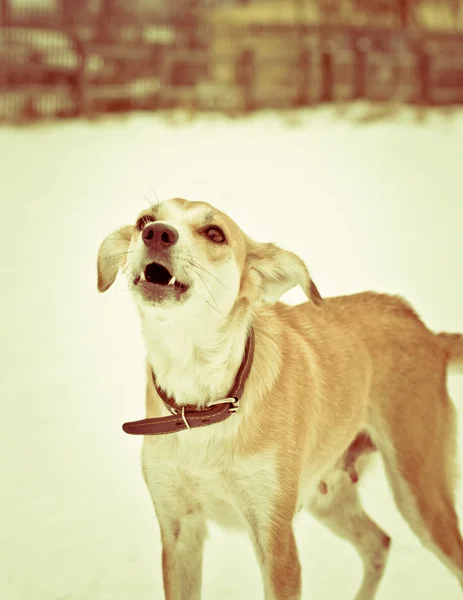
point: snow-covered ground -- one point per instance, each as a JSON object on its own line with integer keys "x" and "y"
{"x": 377, "y": 206}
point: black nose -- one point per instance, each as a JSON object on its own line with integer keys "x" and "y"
{"x": 159, "y": 235}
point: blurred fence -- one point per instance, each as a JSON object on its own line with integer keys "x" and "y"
{"x": 85, "y": 58}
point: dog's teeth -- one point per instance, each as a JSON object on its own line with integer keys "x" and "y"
{"x": 142, "y": 276}
{"x": 172, "y": 281}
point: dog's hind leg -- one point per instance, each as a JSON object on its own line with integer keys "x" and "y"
{"x": 338, "y": 507}
{"x": 417, "y": 441}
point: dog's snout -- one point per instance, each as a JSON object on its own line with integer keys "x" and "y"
{"x": 159, "y": 235}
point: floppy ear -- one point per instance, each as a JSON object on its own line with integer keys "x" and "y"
{"x": 279, "y": 271}
{"x": 112, "y": 255}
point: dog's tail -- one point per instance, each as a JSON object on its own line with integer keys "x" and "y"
{"x": 453, "y": 344}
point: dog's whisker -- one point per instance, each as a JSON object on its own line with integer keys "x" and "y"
{"x": 111, "y": 268}
{"x": 117, "y": 237}
{"x": 189, "y": 277}
{"x": 203, "y": 268}
{"x": 122, "y": 276}
{"x": 152, "y": 206}
{"x": 112, "y": 256}
{"x": 216, "y": 310}
{"x": 126, "y": 268}
{"x": 206, "y": 271}
{"x": 210, "y": 215}
{"x": 205, "y": 300}
{"x": 158, "y": 202}
{"x": 210, "y": 293}
{"x": 226, "y": 194}
{"x": 214, "y": 210}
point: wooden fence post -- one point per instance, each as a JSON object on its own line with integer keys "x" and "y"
{"x": 361, "y": 47}
{"x": 244, "y": 77}
{"x": 304, "y": 77}
{"x": 327, "y": 75}
{"x": 80, "y": 92}
{"x": 5, "y": 13}
{"x": 424, "y": 63}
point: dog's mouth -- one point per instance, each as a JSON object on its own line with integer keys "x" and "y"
{"x": 157, "y": 274}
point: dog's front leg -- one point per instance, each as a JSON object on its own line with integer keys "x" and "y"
{"x": 270, "y": 525}
{"x": 279, "y": 564}
{"x": 182, "y": 556}
{"x": 183, "y": 528}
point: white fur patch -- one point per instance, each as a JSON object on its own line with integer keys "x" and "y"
{"x": 194, "y": 471}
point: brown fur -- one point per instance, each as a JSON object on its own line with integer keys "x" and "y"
{"x": 331, "y": 382}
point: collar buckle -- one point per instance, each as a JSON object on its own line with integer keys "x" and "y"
{"x": 235, "y": 403}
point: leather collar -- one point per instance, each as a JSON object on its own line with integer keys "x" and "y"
{"x": 189, "y": 416}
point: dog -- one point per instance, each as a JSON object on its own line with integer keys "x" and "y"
{"x": 256, "y": 409}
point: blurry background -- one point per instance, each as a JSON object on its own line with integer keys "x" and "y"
{"x": 63, "y": 58}
{"x": 332, "y": 128}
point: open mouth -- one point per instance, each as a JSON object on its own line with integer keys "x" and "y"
{"x": 159, "y": 275}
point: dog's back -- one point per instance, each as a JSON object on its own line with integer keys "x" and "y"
{"x": 402, "y": 349}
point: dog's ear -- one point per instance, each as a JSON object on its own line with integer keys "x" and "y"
{"x": 276, "y": 271}
{"x": 112, "y": 255}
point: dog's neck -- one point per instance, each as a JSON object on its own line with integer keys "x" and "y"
{"x": 195, "y": 360}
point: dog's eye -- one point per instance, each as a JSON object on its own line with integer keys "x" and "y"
{"x": 215, "y": 234}
{"x": 142, "y": 221}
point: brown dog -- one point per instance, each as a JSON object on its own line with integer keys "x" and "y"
{"x": 256, "y": 409}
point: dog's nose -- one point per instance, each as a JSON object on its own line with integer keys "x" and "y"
{"x": 159, "y": 235}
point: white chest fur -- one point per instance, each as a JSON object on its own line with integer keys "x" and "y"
{"x": 193, "y": 362}
{"x": 198, "y": 471}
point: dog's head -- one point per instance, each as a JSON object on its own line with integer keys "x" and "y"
{"x": 189, "y": 255}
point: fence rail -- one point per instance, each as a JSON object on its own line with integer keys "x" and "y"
{"x": 48, "y": 69}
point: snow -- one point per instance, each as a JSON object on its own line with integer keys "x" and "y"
{"x": 377, "y": 205}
